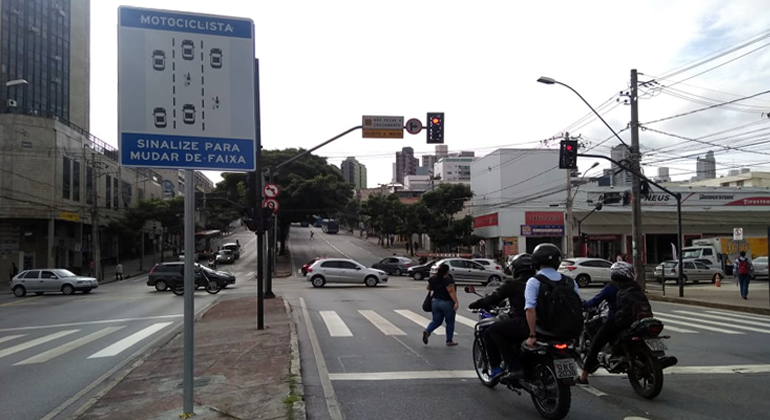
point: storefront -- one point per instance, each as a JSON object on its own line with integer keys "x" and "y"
{"x": 543, "y": 227}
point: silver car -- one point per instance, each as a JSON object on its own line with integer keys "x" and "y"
{"x": 693, "y": 271}
{"x": 466, "y": 270}
{"x": 225, "y": 256}
{"x": 394, "y": 265}
{"x": 760, "y": 268}
{"x": 340, "y": 270}
{"x": 44, "y": 280}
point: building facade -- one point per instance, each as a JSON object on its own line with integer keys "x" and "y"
{"x": 620, "y": 177}
{"x": 406, "y": 164}
{"x": 706, "y": 167}
{"x": 354, "y": 172}
{"x": 744, "y": 179}
{"x": 428, "y": 161}
{"x": 454, "y": 169}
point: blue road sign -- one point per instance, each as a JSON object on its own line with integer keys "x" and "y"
{"x": 185, "y": 91}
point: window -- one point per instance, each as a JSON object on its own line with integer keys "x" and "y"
{"x": 48, "y": 275}
{"x": 689, "y": 266}
{"x": 34, "y": 274}
{"x": 108, "y": 192}
{"x": 482, "y": 262}
{"x": 89, "y": 185}
{"x": 707, "y": 252}
{"x": 66, "y": 178}
{"x": 330, "y": 264}
{"x": 474, "y": 266}
{"x": 457, "y": 263}
{"x": 76, "y": 181}
{"x": 701, "y": 266}
{"x": 115, "y": 193}
{"x": 348, "y": 265}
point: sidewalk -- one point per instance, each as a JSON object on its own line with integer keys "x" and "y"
{"x": 240, "y": 373}
{"x": 725, "y": 297}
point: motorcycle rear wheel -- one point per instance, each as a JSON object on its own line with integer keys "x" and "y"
{"x": 646, "y": 375}
{"x": 481, "y": 365}
{"x": 213, "y": 287}
{"x": 556, "y": 403}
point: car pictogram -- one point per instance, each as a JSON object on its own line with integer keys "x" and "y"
{"x": 159, "y": 117}
{"x": 159, "y": 60}
{"x": 216, "y": 58}
{"x": 188, "y": 49}
{"x": 188, "y": 114}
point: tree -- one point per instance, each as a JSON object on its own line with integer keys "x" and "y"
{"x": 442, "y": 204}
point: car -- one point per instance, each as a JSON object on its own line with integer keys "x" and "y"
{"x": 159, "y": 117}
{"x": 340, "y": 270}
{"x": 307, "y": 265}
{"x": 489, "y": 263}
{"x": 693, "y": 271}
{"x": 760, "y": 268}
{"x": 465, "y": 270}
{"x": 422, "y": 271}
{"x": 216, "y": 58}
{"x": 159, "y": 60}
{"x": 165, "y": 276}
{"x": 394, "y": 265}
{"x": 188, "y": 113}
{"x": 47, "y": 280}
{"x": 234, "y": 247}
{"x": 188, "y": 49}
{"x": 586, "y": 270}
{"x": 225, "y": 256}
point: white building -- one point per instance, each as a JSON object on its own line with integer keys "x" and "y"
{"x": 706, "y": 168}
{"x": 454, "y": 169}
{"x": 620, "y": 153}
{"x": 417, "y": 182}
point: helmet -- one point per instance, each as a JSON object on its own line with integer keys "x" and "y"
{"x": 521, "y": 263}
{"x": 546, "y": 254}
{"x": 622, "y": 271}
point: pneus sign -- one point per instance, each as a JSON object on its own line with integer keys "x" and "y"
{"x": 186, "y": 90}
{"x": 705, "y": 198}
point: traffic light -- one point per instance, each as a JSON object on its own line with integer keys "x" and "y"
{"x": 435, "y": 128}
{"x": 251, "y": 222}
{"x": 568, "y": 151}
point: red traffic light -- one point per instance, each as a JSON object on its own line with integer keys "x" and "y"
{"x": 436, "y": 120}
{"x": 569, "y": 147}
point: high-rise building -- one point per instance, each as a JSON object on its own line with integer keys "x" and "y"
{"x": 454, "y": 169}
{"x": 354, "y": 172}
{"x": 620, "y": 177}
{"x": 44, "y": 58}
{"x": 442, "y": 151}
{"x": 706, "y": 168}
{"x": 428, "y": 161}
{"x": 406, "y": 164}
{"x": 663, "y": 175}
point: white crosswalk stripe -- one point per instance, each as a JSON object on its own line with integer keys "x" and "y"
{"x": 419, "y": 320}
{"x": 10, "y": 337}
{"x": 36, "y": 342}
{"x": 679, "y": 330}
{"x": 722, "y": 324}
{"x": 68, "y": 347}
{"x": 122, "y": 345}
{"x": 381, "y": 323}
{"x": 465, "y": 321}
{"x": 725, "y": 318}
{"x": 696, "y": 325}
{"x": 335, "y": 324}
{"x": 749, "y": 317}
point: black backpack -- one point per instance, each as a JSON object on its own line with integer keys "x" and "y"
{"x": 559, "y": 308}
{"x": 632, "y": 305}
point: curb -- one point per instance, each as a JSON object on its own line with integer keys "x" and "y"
{"x": 295, "y": 368}
{"x": 715, "y": 305}
{"x": 126, "y": 277}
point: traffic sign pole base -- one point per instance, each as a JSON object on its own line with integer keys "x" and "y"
{"x": 269, "y": 295}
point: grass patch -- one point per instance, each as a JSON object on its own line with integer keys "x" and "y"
{"x": 292, "y": 397}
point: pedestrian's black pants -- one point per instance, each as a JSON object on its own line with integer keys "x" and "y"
{"x": 606, "y": 333}
{"x": 504, "y": 338}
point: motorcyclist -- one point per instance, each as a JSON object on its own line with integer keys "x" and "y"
{"x": 621, "y": 274}
{"x": 504, "y": 337}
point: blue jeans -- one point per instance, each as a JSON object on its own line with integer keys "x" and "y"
{"x": 743, "y": 281}
{"x": 443, "y": 310}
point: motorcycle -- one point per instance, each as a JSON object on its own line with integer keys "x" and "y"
{"x": 550, "y": 368}
{"x": 638, "y": 351}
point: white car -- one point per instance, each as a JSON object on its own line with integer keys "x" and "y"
{"x": 341, "y": 270}
{"x": 760, "y": 268}
{"x": 489, "y": 264}
{"x": 586, "y": 270}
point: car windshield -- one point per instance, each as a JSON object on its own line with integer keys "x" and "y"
{"x": 225, "y": 252}
{"x": 64, "y": 273}
{"x": 690, "y": 253}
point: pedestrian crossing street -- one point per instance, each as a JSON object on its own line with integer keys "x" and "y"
{"x": 34, "y": 347}
{"x": 405, "y": 322}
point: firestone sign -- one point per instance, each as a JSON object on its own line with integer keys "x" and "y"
{"x": 689, "y": 199}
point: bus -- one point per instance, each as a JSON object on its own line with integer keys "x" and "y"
{"x": 330, "y": 226}
{"x": 206, "y": 243}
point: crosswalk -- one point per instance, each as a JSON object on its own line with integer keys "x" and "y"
{"x": 343, "y": 323}
{"x": 37, "y": 346}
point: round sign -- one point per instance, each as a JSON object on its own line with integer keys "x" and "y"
{"x": 271, "y": 203}
{"x": 482, "y": 242}
{"x": 271, "y": 190}
{"x": 413, "y": 126}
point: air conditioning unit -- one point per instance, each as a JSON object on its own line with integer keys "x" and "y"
{"x": 12, "y": 103}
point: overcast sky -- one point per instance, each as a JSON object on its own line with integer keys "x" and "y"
{"x": 325, "y": 64}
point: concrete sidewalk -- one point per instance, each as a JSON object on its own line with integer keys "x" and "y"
{"x": 240, "y": 373}
{"x": 725, "y": 297}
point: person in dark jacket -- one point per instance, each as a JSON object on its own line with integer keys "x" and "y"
{"x": 504, "y": 337}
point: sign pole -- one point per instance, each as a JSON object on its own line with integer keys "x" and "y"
{"x": 189, "y": 289}
{"x": 258, "y": 208}
{"x": 768, "y": 249}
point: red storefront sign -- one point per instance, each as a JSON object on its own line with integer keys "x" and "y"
{"x": 485, "y": 220}
{"x": 544, "y": 218}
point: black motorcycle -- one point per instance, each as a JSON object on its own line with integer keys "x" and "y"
{"x": 550, "y": 368}
{"x": 638, "y": 351}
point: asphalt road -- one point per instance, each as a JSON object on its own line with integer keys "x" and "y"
{"x": 52, "y": 347}
{"x": 363, "y": 358}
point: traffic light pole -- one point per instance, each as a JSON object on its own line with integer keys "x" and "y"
{"x": 270, "y": 233}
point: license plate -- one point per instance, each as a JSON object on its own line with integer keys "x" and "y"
{"x": 655, "y": 344}
{"x": 565, "y": 368}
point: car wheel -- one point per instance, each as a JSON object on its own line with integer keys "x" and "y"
{"x": 38, "y": 293}
{"x": 583, "y": 280}
{"x": 371, "y": 281}
{"x": 67, "y": 289}
{"x": 397, "y": 272}
{"x": 318, "y": 281}
{"x": 417, "y": 275}
{"x": 493, "y": 279}
{"x": 161, "y": 285}
{"x": 19, "y": 291}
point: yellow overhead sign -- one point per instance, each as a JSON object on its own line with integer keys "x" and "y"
{"x": 382, "y": 127}
{"x": 382, "y": 133}
{"x": 68, "y": 215}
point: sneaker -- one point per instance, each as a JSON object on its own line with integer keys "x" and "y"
{"x": 425, "y": 336}
{"x": 496, "y": 372}
{"x": 451, "y": 343}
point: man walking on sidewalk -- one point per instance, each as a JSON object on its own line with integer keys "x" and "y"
{"x": 119, "y": 272}
{"x": 743, "y": 271}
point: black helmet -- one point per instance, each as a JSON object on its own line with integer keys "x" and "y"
{"x": 521, "y": 263}
{"x": 546, "y": 255}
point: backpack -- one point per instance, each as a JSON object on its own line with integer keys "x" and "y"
{"x": 559, "y": 308}
{"x": 632, "y": 305}
{"x": 743, "y": 266}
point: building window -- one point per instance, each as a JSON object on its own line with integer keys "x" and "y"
{"x": 108, "y": 192}
{"x": 76, "y": 181}
{"x": 739, "y": 183}
{"x": 115, "y": 193}
{"x": 89, "y": 185}
{"x": 66, "y": 178}
{"x": 126, "y": 191}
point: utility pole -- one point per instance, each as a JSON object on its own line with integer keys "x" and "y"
{"x": 96, "y": 253}
{"x": 636, "y": 196}
{"x": 569, "y": 244}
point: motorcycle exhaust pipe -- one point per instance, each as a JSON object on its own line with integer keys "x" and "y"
{"x": 668, "y": 361}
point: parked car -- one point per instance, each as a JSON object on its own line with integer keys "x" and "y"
{"x": 48, "y": 280}
{"x": 338, "y": 270}
{"x": 394, "y": 265}
{"x": 234, "y": 247}
{"x": 693, "y": 271}
{"x": 164, "y": 276}
{"x": 586, "y": 270}
{"x": 489, "y": 263}
{"x": 307, "y": 265}
{"x": 760, "y": 268}
{"x": 225, "y": 256}
{"x": 466, "y": 270}
{"x": 422, "y": 271}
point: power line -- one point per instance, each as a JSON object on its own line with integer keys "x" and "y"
{"x": 706, "y": 108}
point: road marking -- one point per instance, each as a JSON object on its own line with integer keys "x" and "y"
{"x": 10, "y": 337}
{"x": 381, "y": 323}
{"x": 591, "y": 390}
{"x": 694, "y": 325}
{"x": 32, "y": 343}
{"x": 680, "y": 330}
{"x": 104, "y": 321}
{"x": 749, "y": 322}
{"x": 465, "y": 321}
{"x": 129, "y": 341}
{"x": 72, "y": 345}
{"x": 20, "y": 301}
{"x": 362, "y": 249}
{"x": 323, "y": 372}
{"x": 335, "y": 248}
{"x": 335, "y": 324}
{"x": 419, "y": 320}
{"x": 723, "y": 324}
{"x": 734, "y": 315}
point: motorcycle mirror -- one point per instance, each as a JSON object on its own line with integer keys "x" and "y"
{"x": 470, "y": 289}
